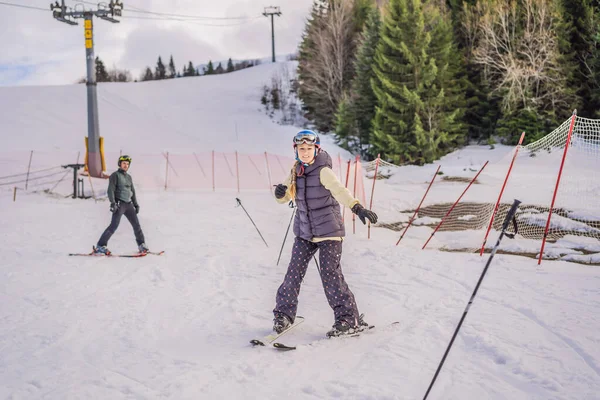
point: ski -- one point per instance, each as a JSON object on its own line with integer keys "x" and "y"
{"x": 135, "y": 255}
{"x": 284, "y": 347}
{"x": 274, "y": 336}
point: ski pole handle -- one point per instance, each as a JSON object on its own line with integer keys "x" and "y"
{"x": 511, "y": 214}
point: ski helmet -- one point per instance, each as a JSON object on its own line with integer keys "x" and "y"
{"x": 308, "y": 137}
{"x": 124, "y": 158}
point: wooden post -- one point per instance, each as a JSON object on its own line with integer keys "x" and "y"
{"x": 28, "y": 169}
{"x": 15, "y": 194}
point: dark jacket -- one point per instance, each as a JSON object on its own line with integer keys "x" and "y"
{"x": 120, "y": 188}
{"x": 318, "y": 214}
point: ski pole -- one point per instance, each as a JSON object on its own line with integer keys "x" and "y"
{"x": 261, "y": 236}
{"x": 286, "y": 234}
{"x": 285, "y": 238}
{"x": 509, "y": 217}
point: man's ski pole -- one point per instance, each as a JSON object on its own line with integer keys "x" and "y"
{"x": 261, "y": 236}
{"x": 509, "y": 217}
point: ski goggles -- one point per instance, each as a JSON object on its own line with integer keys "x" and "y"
{"x": 306, "y": 138}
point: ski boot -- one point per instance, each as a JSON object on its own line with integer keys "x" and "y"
{"x": 342, "y": 327}
{"x": 281, "y": 322}
{"x": 101, "y": 250}
{"x": 143, "y": 248}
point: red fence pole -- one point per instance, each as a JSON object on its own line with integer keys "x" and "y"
{"x": 372, "y": 193}
{"x": 562, "y": 164}
{"x": 410, "y": 221}
{"x": 454, "y": 205}
{"x": 500, "y": 196}
{"x": 347, "y": 178}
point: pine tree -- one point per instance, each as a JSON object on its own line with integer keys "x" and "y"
{"x": 357, "y": 110}
{"x": 419, "y": 107}
{"x": 161, "y": 71}
{"x": 594, "y": 62}
{"x": 189, "y": 70}
{"x": 148, "y": 76}
{"x": 209, "y": 69}
{"x": 230, "y": 67}
{"x": 219, "y": 69}
{"x": 307, "y": 56}
{"x": 578, "y": 43}
{"x": 172, "y": 69}
{"x": 101, "y": 72}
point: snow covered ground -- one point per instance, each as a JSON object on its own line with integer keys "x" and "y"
{"x": 177, "y": 326}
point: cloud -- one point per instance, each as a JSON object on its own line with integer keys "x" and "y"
{"x": 144, "y": 45}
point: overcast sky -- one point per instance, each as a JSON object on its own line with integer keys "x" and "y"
{"x": 38, "y": 50}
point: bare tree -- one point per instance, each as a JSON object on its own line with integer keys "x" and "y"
{"x": 517, "y": 45}
{"x": 328, "y": 68}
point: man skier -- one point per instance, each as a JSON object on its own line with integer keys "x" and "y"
{"x": 121, "y": 194}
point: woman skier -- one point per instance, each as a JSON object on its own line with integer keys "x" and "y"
{"x": 318, "y": 225}
{"x": 121, "y": 194}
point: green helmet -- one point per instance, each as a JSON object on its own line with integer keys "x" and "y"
{"x": 124, "y": 158}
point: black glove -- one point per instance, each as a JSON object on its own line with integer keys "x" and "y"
{"x": 137, "y": 208}
{"x": 114, "y": 207}
{"x": 364, "y": 213}
{"x": 280, "y": 191}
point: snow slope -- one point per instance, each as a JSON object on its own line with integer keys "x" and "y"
{"x": 178, "y": 326}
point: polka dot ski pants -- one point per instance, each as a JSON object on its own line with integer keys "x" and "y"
{"x": 338, "y": 294}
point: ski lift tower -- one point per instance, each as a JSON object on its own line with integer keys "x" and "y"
{"x": 106, "y": 11}
{"x": 272, "y": 11}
